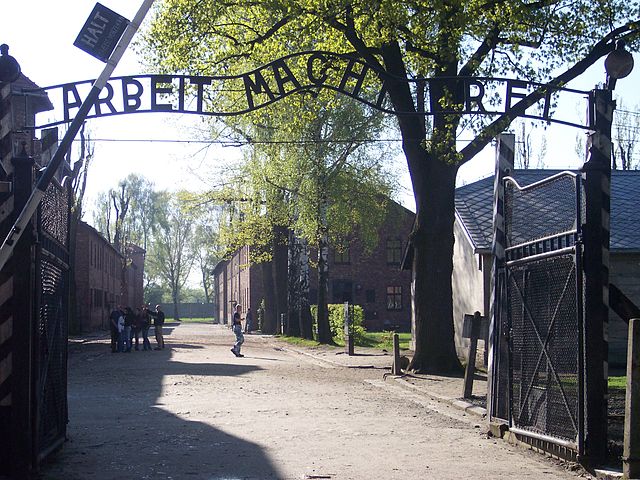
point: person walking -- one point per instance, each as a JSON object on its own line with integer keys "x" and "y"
{"x": 236, "y": 326}
{"x": 158, "y": 322}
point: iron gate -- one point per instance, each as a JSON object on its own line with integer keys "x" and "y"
{"x": 52, "y": 308}
{"x": 539, "y": 387}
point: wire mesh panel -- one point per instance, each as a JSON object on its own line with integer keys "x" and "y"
{"x": 545, "y": 338}
{"x": 53, "y": 308}
{"x": 543, "y": 297}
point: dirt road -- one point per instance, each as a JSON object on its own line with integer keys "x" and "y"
{"x": 195, "y": 411}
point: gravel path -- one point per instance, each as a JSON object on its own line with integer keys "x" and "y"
{"x": 194, "y": 411}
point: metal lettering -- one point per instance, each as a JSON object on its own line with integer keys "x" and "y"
{"x": 323, "y": 69}
{"x": 105, "y": 101}
{"x": 288, "y": 76}
{"x": 511, "y": 94}
{"x": 259, "y": 86}
{"x": 351, "y": 73}
{"x": 156, "y": 90}
{"x": 477, "y": 99}
{"x": 128, "y": 97}
{"x": 200, "y": 82}
{"x": 67, "y": 105}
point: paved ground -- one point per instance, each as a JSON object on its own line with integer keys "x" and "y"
{"x": 194, "y": 411}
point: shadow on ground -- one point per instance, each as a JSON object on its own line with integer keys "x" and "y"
{"x": 119, "y": 427}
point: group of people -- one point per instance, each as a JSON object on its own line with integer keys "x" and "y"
{"x": 126, "y": 327}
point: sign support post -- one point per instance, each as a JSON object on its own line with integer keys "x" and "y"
{"x": 38, "y": 193}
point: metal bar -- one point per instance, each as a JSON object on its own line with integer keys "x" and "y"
{"x": 541, "y": 256}
{"x": 540, "y": 182}
{"x": 580, "y": 315}
{"x": 544, "y": 438}
{"x": 38, "y": 193}
{"x": 542, "y": 239}
{"x": 631, "y": 447}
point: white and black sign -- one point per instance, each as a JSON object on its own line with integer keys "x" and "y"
{"x": 101, "y": 32}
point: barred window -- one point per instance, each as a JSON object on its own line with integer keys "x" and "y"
{"x": 394, "y": 251}
{"x": 394, "y": 298}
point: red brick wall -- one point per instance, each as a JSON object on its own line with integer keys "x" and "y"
{"x": 99, "y": 280}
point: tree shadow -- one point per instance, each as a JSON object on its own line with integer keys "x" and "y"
{"x": 119, "y": 426}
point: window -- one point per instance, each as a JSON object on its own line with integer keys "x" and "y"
{"x": 394, "y": 251}
{"x": 342, "y": 255}
{"x": 394, "y": 298}
{"x": 370, "y": 296}
{"x": 342, "y": 291}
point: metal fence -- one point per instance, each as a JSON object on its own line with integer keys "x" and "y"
{"x": 52, "y": 300}
{"x": 541, "y": 311}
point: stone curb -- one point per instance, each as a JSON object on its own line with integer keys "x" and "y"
{"x": 463, "y": 405}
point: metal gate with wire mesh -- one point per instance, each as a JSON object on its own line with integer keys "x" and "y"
{"x": 541, "y": 383}
{"x": 52, "y": 307}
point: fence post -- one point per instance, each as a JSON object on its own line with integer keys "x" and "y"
{"x": 631, "y": 449}
{"x": 597, "y": 185}
{"x": 348, "y": 331}
{"x": 397, "y": 370}
{"x": 504, "y": 166}
{"x": 470, "y": 370}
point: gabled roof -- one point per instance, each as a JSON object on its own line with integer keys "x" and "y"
{"x": 474, "y": 207}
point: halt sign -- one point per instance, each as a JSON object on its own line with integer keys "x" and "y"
{"x": 101, "y": 32}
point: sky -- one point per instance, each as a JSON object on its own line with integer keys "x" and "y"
{"x": 40, "y": 34}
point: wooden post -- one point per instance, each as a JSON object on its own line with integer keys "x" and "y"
{"x": 631, "y": 449}
{"x": 471, "y": 362}
{"x": 396, "y": 370}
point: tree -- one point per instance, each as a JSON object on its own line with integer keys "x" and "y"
{"x": 625, "y": 139}
{"x": 171, "y": 256}
{"x": 551, "y": 41}
{"x": 525, "y": 151}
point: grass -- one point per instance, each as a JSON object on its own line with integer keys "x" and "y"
{"x": 618, "y": 383}
{"x": 192, "y": 320}
{"x": 377, "y": 340}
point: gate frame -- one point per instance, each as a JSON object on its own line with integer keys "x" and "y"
{"x": 594, "y": 260}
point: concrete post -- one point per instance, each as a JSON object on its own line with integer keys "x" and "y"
{"x": 470, "y": 370}
{"x": 396, "y": 355}
{"x": 631, "y": 449}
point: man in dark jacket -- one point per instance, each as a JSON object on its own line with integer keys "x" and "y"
{"x": 158, "y": 322}
{"x": 113, "y": 327}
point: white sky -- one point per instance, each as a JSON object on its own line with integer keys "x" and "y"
{"x": 40, "y": 34}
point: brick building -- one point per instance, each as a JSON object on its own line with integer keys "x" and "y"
{"x": 101, "y": 282}
{"x": 374, "y": 281}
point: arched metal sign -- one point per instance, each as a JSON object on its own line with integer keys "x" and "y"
{"x": 202, "y": 95}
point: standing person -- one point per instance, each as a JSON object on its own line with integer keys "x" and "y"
{"x": 248, "y": 321}
{"x": 128, "y": 327}
{"x": 136, "y": 328}
{"x": 236, "y": 326}
{"x": 158, "y": 322}
{"x": 113, "y": 327}
{"x": 121, "y": 337}
{"x": 145, "y": 324}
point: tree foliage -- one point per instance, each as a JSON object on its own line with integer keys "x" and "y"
{"x": 445, "y": 40}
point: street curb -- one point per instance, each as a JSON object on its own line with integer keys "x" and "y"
{"x": 463, "y": 405}
{"x": 326, "y": 360}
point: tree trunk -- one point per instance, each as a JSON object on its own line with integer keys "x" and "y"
{"x": 432, "y": 270}
{"x": 176, "y": 299}
{"x": 324, "y": 330}
{"x": 280, "y": 271}
{"x": 306, "y": 320}
{"x": 269, "y": 323}
{"x": 293, "y": 287}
